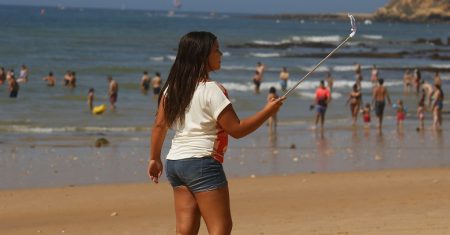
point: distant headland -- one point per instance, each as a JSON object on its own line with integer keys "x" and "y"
{"x": 418, "y": 11}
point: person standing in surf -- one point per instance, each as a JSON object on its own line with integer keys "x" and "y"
{"x": 322, "y": 99}
{"x": 380, "y": 94}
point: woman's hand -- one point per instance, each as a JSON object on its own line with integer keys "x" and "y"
{"x": 155, "y": 169}
{"x": 274, "y": 104}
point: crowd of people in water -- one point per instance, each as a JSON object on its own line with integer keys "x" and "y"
{"x": 70, "y": 81}
{"x": 431, "y": 98}
{"x": 430, "y": 95}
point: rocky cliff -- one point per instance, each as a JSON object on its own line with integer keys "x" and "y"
{"x": 415, "y": 11}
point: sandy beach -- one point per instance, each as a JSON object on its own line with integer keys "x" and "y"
{"x": 345, "y": 179}
{"x": 415, "y": 201}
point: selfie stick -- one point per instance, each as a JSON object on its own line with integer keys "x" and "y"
{"x": 353, "y": 32}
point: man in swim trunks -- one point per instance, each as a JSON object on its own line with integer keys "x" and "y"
{"x": 156, "y": 84}
{"x": 322, "y": 99}
{"x": 257, "y": 81}
{"x": 90, "y": 99}
{"x": 13, "y": 86}
{"x": 260, "y": 67}
{"x": 380, "y": 94}
{"x": 113, "y": 92}
{"x": 50, "y": 79}
{"x": 284, "y": 77}
{"x": 145, "y": 82}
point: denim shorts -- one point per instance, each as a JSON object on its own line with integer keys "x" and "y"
{"x": 198, "y": 174}
{"x": 321, "y": 109}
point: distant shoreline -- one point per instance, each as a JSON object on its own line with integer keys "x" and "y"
{"x": 343, "y": 17}
{"x": 316, "y": 16}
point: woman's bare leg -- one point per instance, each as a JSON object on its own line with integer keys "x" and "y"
{"x": 435, "y": 118}
{"x": 187, "y": 211}
{"x": 215, "y": 209}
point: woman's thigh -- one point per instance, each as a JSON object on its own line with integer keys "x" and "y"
{"x": 214, "y": 207}
{"x": 186, "y": 211}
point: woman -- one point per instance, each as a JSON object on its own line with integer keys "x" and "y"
{"x": 421, "y": 111}
{"x": 374, "y": 75}
{"x": 407, "y": 81}
{"x": 437, "y": 78}
{"x": 23, "y": 75}
{"x": 355, "y": 100}
{"x": 417, "y": 79}
{"x": 437, "y": 105}
{"x": 200, "y": 113}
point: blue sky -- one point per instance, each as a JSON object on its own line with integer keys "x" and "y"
{"x": 232, "y": 6}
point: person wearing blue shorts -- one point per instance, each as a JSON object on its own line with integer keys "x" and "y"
{"x": 322, "y": 99}
{"x": 199, "y": 111}
{"x": 284, "y": 77}
{"x": 437, "y": 105}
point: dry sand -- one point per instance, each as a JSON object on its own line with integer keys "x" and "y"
{"x": 378, "y": 202}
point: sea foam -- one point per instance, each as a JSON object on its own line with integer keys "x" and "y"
{"x": 265, "y": 55}
{"x": 372, "y": 37}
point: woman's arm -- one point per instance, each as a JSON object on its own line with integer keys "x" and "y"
{"x": 237, "y": 128}
{"x": 159, "y": 132}
{"x": 348, "y": 99}
{"x": 436, "y": 100}
{"x": 360, "y": 99}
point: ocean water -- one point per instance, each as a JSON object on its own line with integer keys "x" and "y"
{"x": 96, "y": 43}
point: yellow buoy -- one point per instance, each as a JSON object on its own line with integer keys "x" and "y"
{"x": 99, "y": 109}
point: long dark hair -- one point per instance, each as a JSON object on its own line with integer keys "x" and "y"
{"x": 189, "y": 69}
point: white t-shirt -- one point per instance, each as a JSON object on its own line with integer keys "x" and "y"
{"x": 200, "y": 135}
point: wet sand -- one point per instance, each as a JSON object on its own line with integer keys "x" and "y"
{"x": 43, "y": 162}
{"x": 415, "y": 201}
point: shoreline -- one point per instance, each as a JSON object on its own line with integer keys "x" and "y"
{"x": 295, "y": 148}
{"x": 397, "y": 202}
{"x": 372, "y": 17}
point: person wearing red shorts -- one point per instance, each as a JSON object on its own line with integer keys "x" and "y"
{"x": 401, "y": 113}
{"x": 366, "y": 115}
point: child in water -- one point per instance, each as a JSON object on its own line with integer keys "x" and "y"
{"x": 421, "y": 111}
{"x": 401, "y": 113}
{"x": 366, "y": 115}
{"x": 272, "y": 121}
